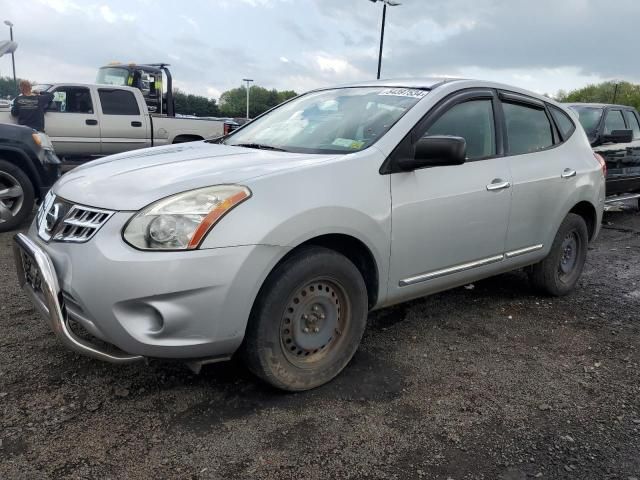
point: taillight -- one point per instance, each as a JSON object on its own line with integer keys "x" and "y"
{"x": 603, "y": 164}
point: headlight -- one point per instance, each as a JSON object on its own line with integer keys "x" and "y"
{"x": 181, "y": 221}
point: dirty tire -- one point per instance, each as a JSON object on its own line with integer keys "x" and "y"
{"x": 559, "y": 272}
{"x": 307, "y": 321}
{"x": 16, "y": 211}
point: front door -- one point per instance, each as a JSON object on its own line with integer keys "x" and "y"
{"x": 449, "y": 221}
{"x": 72, "y": 123}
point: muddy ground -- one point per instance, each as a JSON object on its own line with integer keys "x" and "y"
{"x": 494, "y": 382}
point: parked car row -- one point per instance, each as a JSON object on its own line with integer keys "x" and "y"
{"x": 275, "y": 241}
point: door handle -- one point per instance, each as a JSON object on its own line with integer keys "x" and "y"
{"x": 497, "y": 184}
{"x": 568, "y": 173}
{"x": 91, "y": 121}
{"x": 136, "y": 124}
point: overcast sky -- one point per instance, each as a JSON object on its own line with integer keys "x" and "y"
{"x": 542, "y": 45}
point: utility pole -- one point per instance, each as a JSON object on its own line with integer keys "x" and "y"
{"x": 391, "y": 3}
{"x": 384, "y": 17}
{"x": 248, "y": 80}
{"x": 615, "y": 92}
{"x": 13, "y": 58}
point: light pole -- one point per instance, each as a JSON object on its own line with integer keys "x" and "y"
{"x": 13, "y": 58}
{"x": 391, "y": 3}
{"x": 248, "y": 80}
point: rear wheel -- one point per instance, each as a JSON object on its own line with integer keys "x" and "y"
{"x": 559, "y": 272}
{"x": 16, "y": 196}
{"x": 307, "y": 321}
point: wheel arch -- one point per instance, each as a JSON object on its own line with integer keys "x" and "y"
{"x": 22, "y": 161}
{"x": 589, "y": 214}
{"x": 352, "y": 248}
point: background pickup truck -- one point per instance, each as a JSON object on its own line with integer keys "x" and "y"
{"x": 95, "y": 120}
{"x": 614, "y": 133}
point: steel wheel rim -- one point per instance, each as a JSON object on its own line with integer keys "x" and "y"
{"x": 314, "y": 321}
{"x": 11, "y": 197}
{"x": 569, "y": 254}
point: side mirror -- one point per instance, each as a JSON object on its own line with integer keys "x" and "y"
{"x": 618, "y": 136}
{"x": 435, "y": 151}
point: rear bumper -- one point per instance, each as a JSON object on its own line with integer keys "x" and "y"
{"x": 37, "y": 276}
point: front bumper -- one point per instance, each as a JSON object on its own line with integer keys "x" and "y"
{"x": 37, "y": 276}
{"x": 180, "y": 305}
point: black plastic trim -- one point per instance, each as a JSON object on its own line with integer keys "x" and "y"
{"x": 511, "y": 97}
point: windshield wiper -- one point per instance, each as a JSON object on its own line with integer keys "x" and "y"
{"x": 258, "y": 146}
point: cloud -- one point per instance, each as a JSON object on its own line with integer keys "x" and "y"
{"x": 108, "y": 14}
{"x": 543, "y": 45}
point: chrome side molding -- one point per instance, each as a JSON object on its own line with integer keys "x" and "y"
{"x": 468, "y": 266}
{"x": 522, "y": 251}
{"x": 449, "y": 270}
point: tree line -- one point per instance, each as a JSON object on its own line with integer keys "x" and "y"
{"x": 621, "y": 93}
{"x": 233, "y": 103}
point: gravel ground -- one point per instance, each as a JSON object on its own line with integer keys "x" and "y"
{"x": 490, "y": 382}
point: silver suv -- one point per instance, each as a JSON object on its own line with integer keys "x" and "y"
{"x": 277, "y": 240}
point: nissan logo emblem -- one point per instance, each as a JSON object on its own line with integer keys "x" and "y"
{"x": 52, "y": 217}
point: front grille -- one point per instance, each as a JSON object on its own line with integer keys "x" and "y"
{"x": 62, "y": 221}
{"x": 80, "y": 224}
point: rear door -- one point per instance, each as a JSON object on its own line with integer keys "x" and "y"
{"x": 123, "y": 126}
{"x": 543, "y": 176}
{"x": 72, "y": 123}
{"x": 450, "y": 222}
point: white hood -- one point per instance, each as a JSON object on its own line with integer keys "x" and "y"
{"x": 132, "y": 180}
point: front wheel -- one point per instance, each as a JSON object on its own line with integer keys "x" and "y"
{"x": 17, "y": 196}
{"x": 559, "y": 272}
{"x": 307, "y": 321}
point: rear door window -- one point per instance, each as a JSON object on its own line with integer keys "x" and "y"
{"x": 118, "y": 102}
{"x": 473, "y": 121}
{"x": 528, "y": 128}
{"x": 614, "y": 121}
{"x": 632, "y": 121}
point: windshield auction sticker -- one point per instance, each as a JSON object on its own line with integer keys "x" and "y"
{"x": 404, "y": 92}
{"x": 347, "y": 143}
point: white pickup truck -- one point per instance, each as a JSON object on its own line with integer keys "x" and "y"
{"x": 95, "y": 120}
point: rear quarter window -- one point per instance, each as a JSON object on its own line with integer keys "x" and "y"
{"x": 563, "y": 122}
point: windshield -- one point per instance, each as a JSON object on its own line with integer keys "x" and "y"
{"x": 341, "y": 120}
{"x": 589, "y": 117}
{"x": 113, "y": 76}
